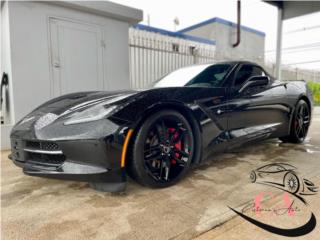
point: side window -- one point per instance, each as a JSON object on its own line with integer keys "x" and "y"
{"x": 211, "y": 77}
{"x": 245, "y": 72}
{"x": 257, "y": 71}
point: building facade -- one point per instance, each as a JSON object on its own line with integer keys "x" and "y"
{"x": 155, "y": 52}
{"x": 224, "y": 33}
{"x": 54, "y": 48}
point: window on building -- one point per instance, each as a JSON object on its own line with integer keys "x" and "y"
{"x": 192, "y": 50}
{"x": 175, "y": 47}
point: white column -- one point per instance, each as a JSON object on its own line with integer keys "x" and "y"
{"x": 279, "y": 43}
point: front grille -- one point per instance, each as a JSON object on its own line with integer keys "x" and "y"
{"x": 46, "y": 159}
{"x": 44, "y": 153}
{"x": 48, "y": 146}
{"x": 32, "y": 144}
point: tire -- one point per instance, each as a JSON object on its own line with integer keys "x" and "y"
{"x": 299, "y": 124}
{"x": 291, "y": 182}
{"x": 162, "y": 150}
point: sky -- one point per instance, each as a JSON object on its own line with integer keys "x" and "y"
{"x": 256, "y": 14}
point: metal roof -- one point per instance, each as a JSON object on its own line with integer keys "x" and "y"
{"x": 222, "y": 21}
{"x": 174, "y": 34}
{"x": 182, "y": 33}
{"x": 293, "y": 9}
{"x": 105, "y": 8}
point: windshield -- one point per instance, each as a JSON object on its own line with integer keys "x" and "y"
{"x": 195, "y": 76}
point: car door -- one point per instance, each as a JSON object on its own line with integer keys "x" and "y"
{"x": 250, "y": 112}
{"x": 214, "y": 124}
{"x": 281, "y": 103}
{"x": 213, "y": 100}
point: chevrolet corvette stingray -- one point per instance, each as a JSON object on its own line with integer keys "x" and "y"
{"x": 156, "y": 134}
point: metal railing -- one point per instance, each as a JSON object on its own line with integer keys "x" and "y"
{"x": 153, "y": 55}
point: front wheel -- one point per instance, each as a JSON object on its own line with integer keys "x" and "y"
{"x": 299, "y": 124}
{"x": 162, "y": 150}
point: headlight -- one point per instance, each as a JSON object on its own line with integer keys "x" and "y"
{"x": 92, "y": 114}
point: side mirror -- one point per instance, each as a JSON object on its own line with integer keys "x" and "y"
{"x": 255, "y": 81}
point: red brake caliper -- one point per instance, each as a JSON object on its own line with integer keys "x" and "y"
{"x": 177, "y": 145}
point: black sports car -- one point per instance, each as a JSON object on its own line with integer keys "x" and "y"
{"x": 156, "y": 134}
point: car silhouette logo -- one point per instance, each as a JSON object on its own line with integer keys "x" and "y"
{"x": 283, "y": 176}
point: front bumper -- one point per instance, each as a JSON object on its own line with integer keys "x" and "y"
{"x": 79, "y": 160}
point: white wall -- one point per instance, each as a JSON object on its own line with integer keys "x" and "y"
{"x": 27, "y": 23}
{"x": 30, "y": 51}
{"x": 251, "y": 46}
{"x": 7, "y": 109}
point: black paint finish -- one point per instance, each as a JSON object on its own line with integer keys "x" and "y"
{"x": 91, "y": 151}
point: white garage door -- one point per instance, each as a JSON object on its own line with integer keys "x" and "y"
{"x": 77, "y": 52}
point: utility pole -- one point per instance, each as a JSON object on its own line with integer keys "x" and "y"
{"x": 279, "y": 43}
{"x": 176, "y": 23}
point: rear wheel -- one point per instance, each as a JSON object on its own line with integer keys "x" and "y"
{"x": 299, "y": 124}
{"x": 162, "y": 149}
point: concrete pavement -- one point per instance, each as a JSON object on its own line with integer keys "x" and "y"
{"x": 36, "y": 208}
{"x": 237, "y": 228}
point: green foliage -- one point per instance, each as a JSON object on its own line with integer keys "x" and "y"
{"x": 315, "y": 88}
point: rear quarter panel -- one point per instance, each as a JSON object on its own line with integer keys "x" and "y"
{"x": 297, "y": 90}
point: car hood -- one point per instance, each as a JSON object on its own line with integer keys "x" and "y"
{"x": 65, "y": 105}
{"x": 62, "y": 107}
{"x": 75, "y": 101}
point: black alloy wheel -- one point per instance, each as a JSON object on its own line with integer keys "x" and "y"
{"x": 302, "y": 121}
{"x": 299, "y": 124}
{"x": 162, "y": 150}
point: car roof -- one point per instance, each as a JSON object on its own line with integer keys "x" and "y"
{"x": 233, "y": 62}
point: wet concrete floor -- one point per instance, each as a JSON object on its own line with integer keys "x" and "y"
{"x": 37, "y": 208}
